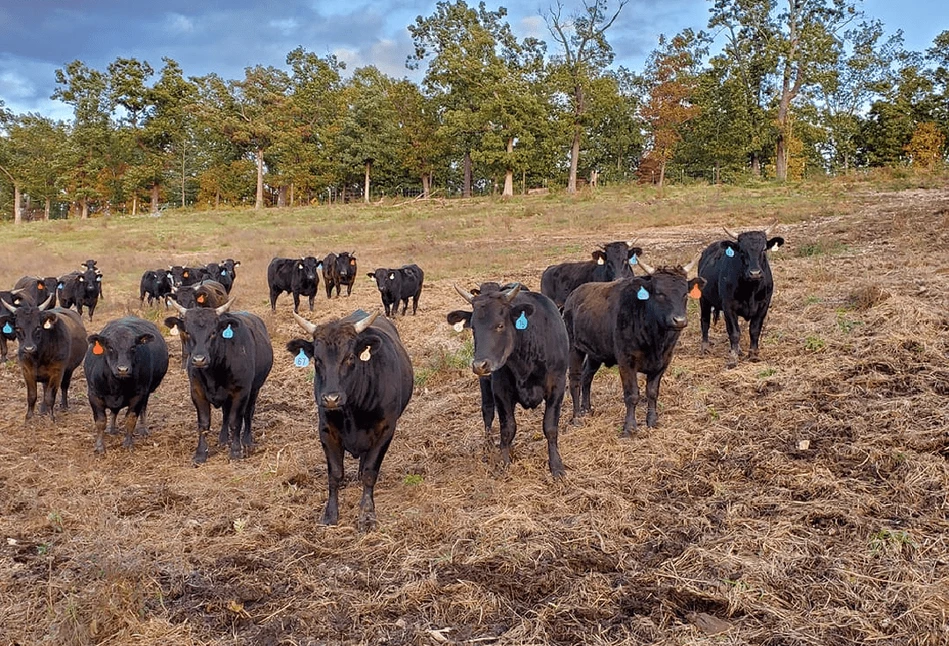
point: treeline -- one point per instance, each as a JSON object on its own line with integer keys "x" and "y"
{"x": 768, "y": 89}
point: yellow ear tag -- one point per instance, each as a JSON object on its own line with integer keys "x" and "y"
{"x": 364, "y": 356}
{"x": 599, "y": 261}
{"x": 174, "y": 331}
{"x": 695, "y": 292}
{"x": 459, "y": 326}
{"x": 97, "y": 348}
{"x": 48, "y": 325}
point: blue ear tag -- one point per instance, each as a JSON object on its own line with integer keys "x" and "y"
{"x": 729, "y": 252}
{"x": 521, "y": 322}
{"x": 632, "y": 260}
{"x": 224, "y": 272}
{"x": 301, "y": 360}
{"x": 642, "y": 294}
{"x": 6, "y": 328}
{"x": 60, "y": 286}
{"x": 228, "y": 333}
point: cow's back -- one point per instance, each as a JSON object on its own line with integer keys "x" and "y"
{"x": 262, "y": 347}
{"x": 712, "y": 269}
{"x": 558, "y": 281}
{"x": 75, "y": 333}
{"x": 589, "y": 315}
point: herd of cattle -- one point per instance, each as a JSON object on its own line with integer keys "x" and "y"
{"x": 527, "y": 345}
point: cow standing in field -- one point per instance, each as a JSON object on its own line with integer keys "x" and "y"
{"x": 739, "y": 283}
{"x": 124, "y": 365}
{"x": 520, "y": 343}
{"x": 224, "y": 272}
{"x": 207, "y": 293}
{"x": 80, "y": 289}
{"x": 399, "y": 285}
{"x": 339, "y": 270}
{"x": 156, "y": 284}
{"x": 296, "y": 276}
{"x": 610, "y": 262}
{"x": 634, "y": 323}
{"x": 51, "y": 346}
{"x": 363, "y": 382}
{"x": 229, "y": 359}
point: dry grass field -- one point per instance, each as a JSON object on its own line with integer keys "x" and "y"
{"x": 800, "y": 500}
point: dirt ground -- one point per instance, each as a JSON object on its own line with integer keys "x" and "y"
{"x": 798, "y": 500}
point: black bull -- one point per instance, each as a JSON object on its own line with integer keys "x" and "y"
{"x": 363, "y": 381}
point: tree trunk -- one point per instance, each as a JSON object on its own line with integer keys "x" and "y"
{"x": 17, "y": 206}
{"x": 365, "y": 190}
{"x": 259, "y": 202}
{"x": 83, "y": 208}
{"x": 524, "y": 182}
{"x": 182, "y": 176}
{"x": 135, "y": 205}
{"x": 426, "y": 185}
{"x": 780, "y": 158}
{"x": 755, "y": 164}
{"x": 155, "y": 197}
{"x": 466, "y": 186}
{"x": 291, "y": 194}
{"x": 662, "y": 176}
{"x": 509, "y": 172}
{"x": 47, "y": 208}
{"x": 574, "y": 160}
{"x": 282, "y": 197}
{"x": 217, "y": 199}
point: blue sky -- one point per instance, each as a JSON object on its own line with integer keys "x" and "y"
{"x": 39, "y": 36}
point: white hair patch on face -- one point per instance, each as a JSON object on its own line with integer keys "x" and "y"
{"x": 365, "y": 354}
{"x": 459, "y": 326}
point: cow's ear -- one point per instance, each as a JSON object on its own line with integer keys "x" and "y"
{"x": 227, "y": 321}
{"x": 459, "y": 319}
{"x": 49, "y": 320}
{"x": 634, "y": 251}
{"x": 371, "y": 275}
{"x": 294, "y": 346}
{"x": 775, "y": 243}
{"x": 173, "y": 323}
{"x": 696, "y": 285}
{"x": 237, "y": 263}
{"x": 145, "y": 338}
{"x": 95, "y": 338}
{"x": 526, "y": 309}
{"x": 729, "y": 245}
{"x": 368, "y": 347}
{"x": 599, "y": 257}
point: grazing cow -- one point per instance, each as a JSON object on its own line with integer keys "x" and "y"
{"x": 298, "y": 277}
{"x": 339, "y": 270}
{"x": 78, "y": 289}
{"x": 399, "y": 285}
{"x": 634, "y": 323}
{"x": 51, "y": 346}
{"x": 610, "y": 262}
{"x": 187, "y": 275}
{"x": 520, "y": 343}
{"x": 224, "y": 272}
{"x": 739, "y": 284}
{"x": 8, "y": 320}
{"x": 229, "y": 359}
{"x": 156, "y": 284}
{"x": 124, "y": 365}
{"x": 38, "y": 290}
{"x": 363, "y": 382}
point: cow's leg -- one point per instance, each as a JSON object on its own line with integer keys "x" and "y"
{"x": 99, "y": 416}
{"x": 203, "y": 408}
{"x": 329, "y": 290}
{"x": 92, "y": 309}
{"x": 590, "y": 366}
{"x": 273, "y": 299}
{"x": 296, "y": 302}
{"x": 754, "y": 332}
{"x": 552, "y": 405}
{"x": 3, "y": 348}
{"x": 405, "y": 305}
{"x": 131, "y": 420}
{"x": 628, "y": 375}
{"x": 142, "y": 426}
{"x": 415, "y": 303}
{"x": 734, "y": 334}
{"x": 64, "y": 389}
{"x": 236, "y": 421}
{"x": 705, "y": 308}
{"x": 29, "y": 375}
{"x": 111, "y": 415}
{"x": 334, "y": 472}
{"x": 369, "y": 465}
{"x": 223, "y": 437}
{"x": 487, "y": 409}
{"x": 504, "y": 389}
{"x": 349, "y": 289}
{"x": 247, "y": 437}
{"x": 576, "y": 368}
{"x": 652, "y": 397}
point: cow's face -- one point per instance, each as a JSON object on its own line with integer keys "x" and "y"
{"x": 118, "y": 350}
{"x": 665, "y": 293}
{"x": 89, "y": 281}
{"x": 336, "y": 351}
{"x": 749, "y": 253}
{"x": 32, "y": 325}
{"x": 615, "y": 257}
{"x": 495, "y": 321}
{"x": 229, "y": 265}
{"x": 202, "y": 329}
{"x": 387, "y": 281}
{"x": 346, "y": 265}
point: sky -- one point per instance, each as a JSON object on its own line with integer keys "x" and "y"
{"x": 225, "y": 36}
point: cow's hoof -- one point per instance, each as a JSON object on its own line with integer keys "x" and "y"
{"x": 367, "y": 522}
{"x": 199, "y": 458}
{"x": 128, "y": 443}
{"x": 558, "y": 472}
{"x": 100, "y": 448}
{"x": 652, "y": 421}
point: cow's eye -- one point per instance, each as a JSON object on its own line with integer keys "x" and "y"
{"x": 499, "y": 327}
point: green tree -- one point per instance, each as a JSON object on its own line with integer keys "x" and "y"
{"x": 421, "y": 145}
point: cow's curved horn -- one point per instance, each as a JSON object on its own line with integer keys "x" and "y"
{"x": 733, "y": 236}
{"x": 693, "y": 263}
{"x": 223, "y": 308}
{"x": 306, "y": 325}
{"x": 647, "y": 268}
{"x": 465, "y": 295}
{"x": 178, "y": 306}
{"x": 771, "y": 226}
{"x": 18, "y": 292}
{"x": 8, "y": 306}
{"x": 508, "y": 295}
{"x": 363, "y": 323}
{"x": 47, "y": 302}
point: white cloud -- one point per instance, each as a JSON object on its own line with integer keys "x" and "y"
{"x": 533, "y": 26}
{"x": 286, "y": 26}
{"x": 179, "y": 24}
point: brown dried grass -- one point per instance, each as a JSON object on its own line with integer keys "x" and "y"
{"x": 802, "y": 499}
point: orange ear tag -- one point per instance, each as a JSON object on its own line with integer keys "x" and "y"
{"x": 185, "y": 274}
{"x": 97, "y": 348}
{"x": 40, "y": 286}
{"x": 695, "y": 292}
{"x": 200, "y": 298}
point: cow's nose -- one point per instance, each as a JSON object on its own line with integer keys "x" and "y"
{"x": 331, "y": 400}
{"x": 123, "y": 370}
{"x": 29, "y": 349}
{"x": 199, "y": 360}
{"x": 755, "y": 273}
{"x": 481, "y": 368}
{"x": 679, "y": 321}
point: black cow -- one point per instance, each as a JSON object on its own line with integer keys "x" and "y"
{"x": 229, "y": 359}
{"x": 520, "y": 343}
{"x": 39, "y": 290}
{"x": 51, "y": 346}
{"x": 399, "y": 285}
{"x": 91, "y": 264}
{"x": 296, "y": 276}
{"x": 339, "y": 270}
{"x": 124, "y": 365}
{"x": 181, "y": 275}
{"x": 363, "y": 382}
{"x": 79, "y": 289}
{"x": 207, "y": 293}
{"x": 634, "y": 323}
{"x": 610, "y": 262}
{"x": 7, "y": 318}
{"x": 156, "y": 284}
{"x": 739, "y": 284}
{"x": 224, "y": 272}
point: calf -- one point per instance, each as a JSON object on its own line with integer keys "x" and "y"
{"x": 51, "y": 346}
{"x": 229, "y": 359}
{"x": 610, "y": 262}
{"x": 363, "y": 382}
{"x": 634, "y": 323}
{"x": 79, "y": 289}
{"x": 298, "y": 277}
{"x": 124, "y": 365}
{"x": 338, "y": 271}
{"x": 739, "y": 283}
{"x": 520, "y": 343}
{"x": 399, "y": 285}
{"x": 156, "y": 284}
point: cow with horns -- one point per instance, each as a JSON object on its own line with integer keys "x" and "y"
{"x": 520, "y": 344}
{"x": 739, "y": 283}
{"x": 363, "y": 382}
{"x": 611, "y": 261}
{"x": 634, "y": 323}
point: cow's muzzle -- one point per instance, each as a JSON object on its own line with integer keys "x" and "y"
{"x": 199, "y": 361}
{"x": 481, "y": 368}
{"x": 679, "y": 322}
{"x": 123, "y": 371}
{"x": 755, "y": 274}
{"x": 331, "y": 401}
